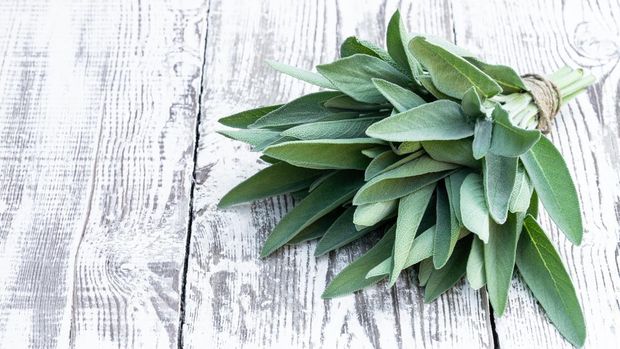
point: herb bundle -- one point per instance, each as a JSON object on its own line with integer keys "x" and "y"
{"x": 437, "y": 150}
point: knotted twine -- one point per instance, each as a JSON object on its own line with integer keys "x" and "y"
{"x": 547, "y": 98}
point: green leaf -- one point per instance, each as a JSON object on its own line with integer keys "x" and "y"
{"x": 499, "y": 261}
{"x": 374, "y": 151}
{"x": 316, "y": 229}
{"x": 521, "y": 192}
{"x": 353, "y": 277}
{"x": 476, "y": 275}
{"x": 330, "y": 194}
{"x": 246, "y": 118}
{"x": 425, "y": 270}
{"x": 457, "y": 151}
{"x": 474, "y": 210}
{"x": 308, "y": 108}
{"x": 402, "y": 180}
{"x": 353, "y": 75}
{"x": 302, "y": 74}
{"x": 410, "y": 212}
{"x": 347, "y": 103}
{"x": 439, "y": 120}
{"x": 348, "y": 128}
{"x": 253, "y": 137}
{"x": 505, "y": 76}
{"x": 452, "y": 74}
{"x": 409, "y": 147}
{"x": 453, "y": 187}
{"x": 443, "y": 279}
{"x": 352, "y": 46}
{"x": 549, "y": 175}
{"x": 509, "y": 140}
{"x": 276, "y": 179}
{"x": 380, "y": 163}
{"x": 499, "y": 179}
{"x": 370, "y": 214}
{"x": 321, "y": 179}
{"x": 482, "y": 138}
{"x": 340, "y": 233}
{"x": 324, "y": 154}
{"x": 421, "y": 248}
{"x": 401, "y": 98}
{"x": 542, "y": 270}
{"x": 427, "y": 82}
{"x": 396, "y": 41}
{"x": 446, "y": 230}
{"x": 471, "y": 103}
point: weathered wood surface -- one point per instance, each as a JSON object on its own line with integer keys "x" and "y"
{"x": 100, "y": 103}
{"x": 234, "y": 298}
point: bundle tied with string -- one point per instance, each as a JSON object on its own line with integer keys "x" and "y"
{"x": 547, "y": 98}
{"x": 435, "y": 152}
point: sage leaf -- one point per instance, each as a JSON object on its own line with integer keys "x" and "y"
{"x": 427, "y": 82}
{"x": 474, "y": 210}
{"x": 451, "y": 74}
{"x": 370, "y": 214}
{"x": 505, "y": 76}
{"x": 374, "y": 151}
{"x": 457, "y": 151}
{"x": 352, "y": 46}
{"x": 308, "y": 108}
{"x": 396, "y": 41}
{"x": 553, "y": 183}
{"x": 408, "y": 147}
{"x": 424, "y": 271}
{"x": 330, "y": 194}
{"x": 521, "y": 192}
{"x": 324, "y": 154}
{"x": 353, "y": 277}
{"x": 353, "y": 75}
{"x": 248, "y": 117}
{"x": 340, "y": 233}
{"x": 476, "y": 275}
{"x": 254, "y": 137}
{"x": 401, "y": 98}
{"x": 471, "y": 103}
{"x": 446, "y": 230}
{"x": 303, "y": 75}
{"x": 380, "y": 163}
{"x": 348, "y": 128}
{"x": 499, "y": 261}
{"x": 321, "y": 179}
{"x": 439, "y": 120}
{"x": 509, "y": 140}
{"x": 542, "y": 270}
{"x": 499, "y": 179}
{"x": 316, "y": 229}
{"x": 345, "y": 102}
{"x": 402, "y": 180}
{"x": 411, "y": 208}
{"x": 443, "y": 279}
{"x": 482, "y": 138}
{"x": 453, "y": 187}
{"x": 276, "y": 179}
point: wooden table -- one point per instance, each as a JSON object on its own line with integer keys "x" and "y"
{"x": 110, "y": 169}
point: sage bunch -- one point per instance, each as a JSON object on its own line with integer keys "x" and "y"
{"x": 434, "y": 149}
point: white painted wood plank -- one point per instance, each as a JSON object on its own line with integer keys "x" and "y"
{"x": 541, "y": 37}
{"x": 97, "y": 122}
{"x": 234, "y": 298}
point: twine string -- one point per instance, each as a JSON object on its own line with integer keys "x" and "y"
{"x": 547, "y": 98}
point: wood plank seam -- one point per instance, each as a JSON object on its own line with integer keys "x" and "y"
{"x": 188, "y": 235}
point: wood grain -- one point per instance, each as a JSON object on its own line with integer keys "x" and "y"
{"x": 98, "y": 114}
{"x": 234, "y": 299}
{"x": 542, "y": 37}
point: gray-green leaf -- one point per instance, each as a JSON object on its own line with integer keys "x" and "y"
{"x": 324, "y": 154}
{"x": 439, "y": 120}
{"x": 396, "y": 41}
{"x": 333, "y": 192}
{"x": 353, "y": 75}
{"x": 248, "y": 117}
{"x": 446, "y": 230}
{"x": 348, "y": 128}
{"x": 474, "y": 211}
{"x": 553, "y": 183}
{"x": 443, "y": 279}
{"x": 302, "y": 74}
{"x": 542, "y": 270}
{"x": 277, "y": 179}
{"x": 370, "y": 214}
{"x": 401, "y": 98}
{"x": 509, "y": 140}
{"x": 452, "y": 74}
{"x": 340, "y": 233}
{"x": 476, "y": 275}
{"x": 482, "y": 138}
{"x": 521, "y": 193}
{"x": 505, "y": 76}
{"x": 499, "y": 179}
{"x": 308, "y": 108}
{"x": 458, "y": 151}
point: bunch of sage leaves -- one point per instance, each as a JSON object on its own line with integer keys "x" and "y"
{"x": 435, "y": 149}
